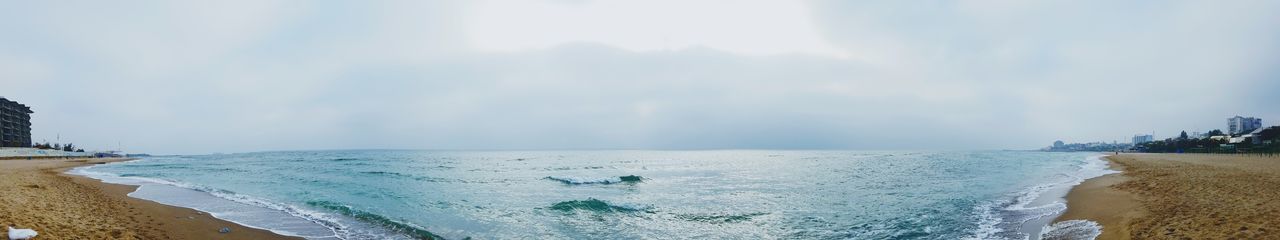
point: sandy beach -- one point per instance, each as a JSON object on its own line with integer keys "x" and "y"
{"x": 36, "y": 194}
{"x": 1182, "y": 196}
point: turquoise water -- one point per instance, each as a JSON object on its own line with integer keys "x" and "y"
{"x": 382, "y": 194}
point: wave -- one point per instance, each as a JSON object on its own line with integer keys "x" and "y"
{"x": 366, "y": 226}
{"x": 720, "y": 218}
{"x": 419, "y": 178}
{"x": 331, "y": 228}
{"x": 415, "y": 231}
{"x": 157, "y": 166}
{"x": 1092, "y": 167}
{"x": 1002, "y": 218}
{"x": 1072, "y": 229}
{"x": 597, "y": 205}
{"x": 396, "y": 174}
{"x": 612, "y": 180}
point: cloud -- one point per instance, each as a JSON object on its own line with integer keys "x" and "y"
{"x": 754, "y": 27}
{"x": 253, "y": 76}
{"x": 1087, "y": 70}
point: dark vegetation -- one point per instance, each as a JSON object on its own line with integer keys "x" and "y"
{"x": 1267, "y": 141}
{"x": 69, "y": 147}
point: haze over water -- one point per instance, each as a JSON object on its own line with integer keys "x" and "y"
{"x": 578, "y": 194}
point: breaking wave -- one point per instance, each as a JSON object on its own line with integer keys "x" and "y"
{"x": 718, "y": 218}
{"x": 612, "y": 180}
{"x": 1001, "y": 219}
{"x": 1072, "y": 230}
{"x": 597, "y": 205}
{"x": 409, "y": 229}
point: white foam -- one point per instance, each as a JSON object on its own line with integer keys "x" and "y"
{"x": 1040, "y": 203}
{"x": 1072, "y": 229}
{"x": 1090, "y": 167}
{"x": 244, "y": 210}
{"x": 988, "y": 221}
{"x": 583, "y": 180}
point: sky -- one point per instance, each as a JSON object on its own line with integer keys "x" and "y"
{"x": 184, "y": 77}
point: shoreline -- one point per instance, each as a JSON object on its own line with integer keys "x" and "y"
{"x": 1095, "y": 200}
{"x": 1182, "y": 196}
{"x": 40, "y": 195}
{"x": 1055, "y": 196}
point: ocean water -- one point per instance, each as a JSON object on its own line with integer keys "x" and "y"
{"x": 729, "y": 194}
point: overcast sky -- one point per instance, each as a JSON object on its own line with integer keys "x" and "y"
{"x": 236, "y": 76}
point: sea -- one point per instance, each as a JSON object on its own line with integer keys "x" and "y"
{"x": 624, "y": 194}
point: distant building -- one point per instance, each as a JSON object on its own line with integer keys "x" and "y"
{"x": 15, "y": 124}
{"x": 1252, "y": 137}
{"x": 1140, "y": 139}
{"x": 1059, "y": 146}
{"x": 1241, "y": 125}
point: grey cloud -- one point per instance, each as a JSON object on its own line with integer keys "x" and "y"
{"x": 300, "y": 75}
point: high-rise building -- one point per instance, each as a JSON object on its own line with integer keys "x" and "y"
{"x": 1141, "y": 138}
{"x": 15, "y": 124}
{"x": 1242, "y": 125}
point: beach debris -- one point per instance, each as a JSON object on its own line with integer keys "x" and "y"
{"x": 224, "y": 230}
{"x": 15, "y": 233}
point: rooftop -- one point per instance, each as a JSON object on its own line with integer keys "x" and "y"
{"x": 24, "y": 106}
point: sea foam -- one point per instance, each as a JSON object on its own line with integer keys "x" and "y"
{"x": 694, "y": 195}
{"x": 1005, "y": 218}
{"x": 1072, "y": 229}
{"x": 246, "y": 210}
{"x": 609, "y": 180}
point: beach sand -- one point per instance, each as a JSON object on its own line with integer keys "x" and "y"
{"x": 1182, "y": 196}
{"x": 36, "y": 194}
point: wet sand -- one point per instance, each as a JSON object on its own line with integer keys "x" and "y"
{"x": 1182, "y": 196}
{"x": 36, "y": 194}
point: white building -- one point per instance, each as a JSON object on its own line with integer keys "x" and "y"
{"x": 1242, "y": 125}
{"x": 1141, "y": 138}
{"x": 1252, "y": 136}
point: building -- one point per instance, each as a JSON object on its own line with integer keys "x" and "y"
{"x": 1140, "y": 139}
{"x": 1254, "y": 137}
{"x": 15, "y": 124}
{"x": 1241, "y": 125}
{"x": 1059, "y": 146}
